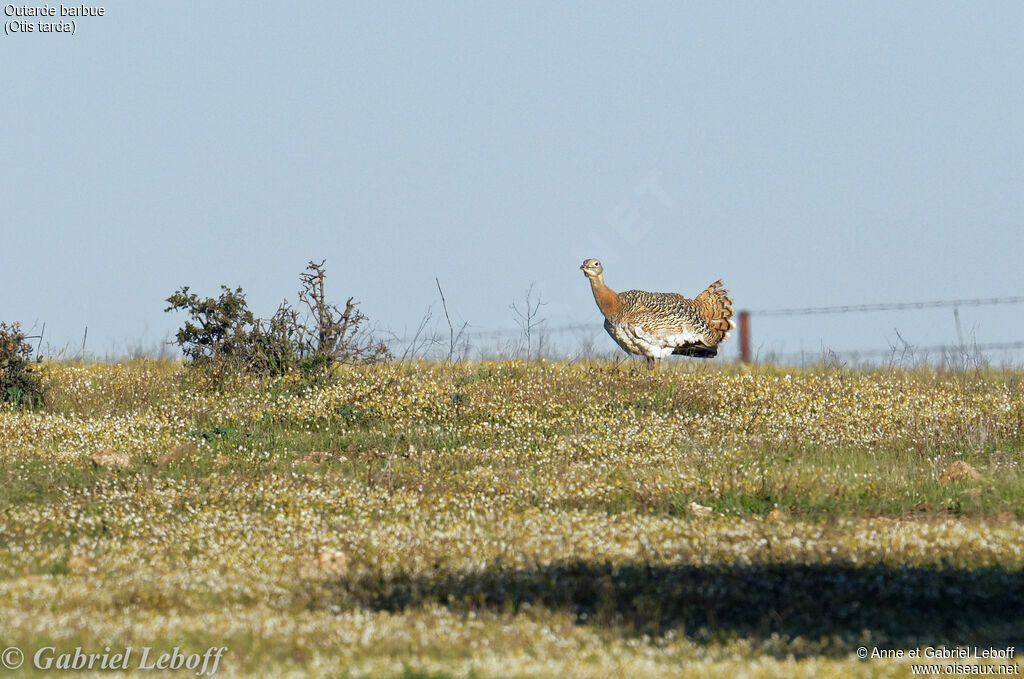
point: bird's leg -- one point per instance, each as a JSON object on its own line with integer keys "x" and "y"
{"x": 650, "y": 363}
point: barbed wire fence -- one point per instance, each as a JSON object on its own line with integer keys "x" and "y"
{"x": 897, "y": 306}
{"x": 587, "y": 339}
{"x": 960, "y": 354}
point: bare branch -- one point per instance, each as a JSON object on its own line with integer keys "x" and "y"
{"x": 451, "y": 330}
{"x": 526, "y": 318}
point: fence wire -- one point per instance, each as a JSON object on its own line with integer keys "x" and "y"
{"x": 909, "y": 352}
{"x": 897, "y": 306}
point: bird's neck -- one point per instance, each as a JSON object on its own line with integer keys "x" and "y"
{"x": 607, "y": 300}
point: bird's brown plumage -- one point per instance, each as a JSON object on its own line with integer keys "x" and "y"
{"x": 657, "y": 324}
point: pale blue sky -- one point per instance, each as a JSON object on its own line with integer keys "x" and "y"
{"x": 808, "y": 153}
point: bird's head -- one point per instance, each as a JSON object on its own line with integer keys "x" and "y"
{"x": 592, "y": 268}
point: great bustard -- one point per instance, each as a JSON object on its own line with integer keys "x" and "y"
{"x": 656, "y": 324}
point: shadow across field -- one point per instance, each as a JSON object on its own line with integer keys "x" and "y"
{"x": 833, "y": 606}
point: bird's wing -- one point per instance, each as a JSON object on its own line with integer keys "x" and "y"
{"x": 664, "y": 317}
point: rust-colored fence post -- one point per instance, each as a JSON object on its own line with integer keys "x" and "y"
{"x": 745, "y": 336}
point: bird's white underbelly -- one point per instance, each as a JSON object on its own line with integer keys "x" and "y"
{"x": 636, "y": 340}
{"x": 661, "y": 345}
{"x": 623, "y": 337}
{"x": 653, "y": 350}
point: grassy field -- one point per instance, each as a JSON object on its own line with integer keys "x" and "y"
{"x": 516, "y": 519}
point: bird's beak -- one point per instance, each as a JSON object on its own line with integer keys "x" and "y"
{"x": 583, "y": 267}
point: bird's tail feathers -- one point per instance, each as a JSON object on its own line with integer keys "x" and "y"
{"x": 716, "y": 307}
